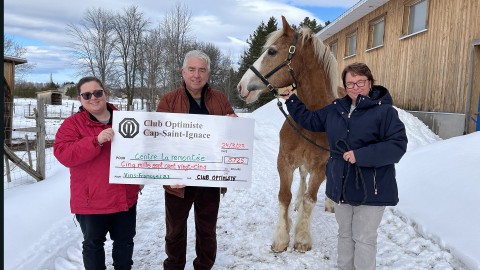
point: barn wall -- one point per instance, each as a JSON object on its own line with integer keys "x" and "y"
{"x": 8, "y": 74}
{"x": 428, "y": 71}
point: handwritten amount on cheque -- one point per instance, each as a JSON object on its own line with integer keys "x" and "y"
{"x": 154, "y": 161}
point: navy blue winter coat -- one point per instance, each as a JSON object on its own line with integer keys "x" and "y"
{"x": 375, "y": 134}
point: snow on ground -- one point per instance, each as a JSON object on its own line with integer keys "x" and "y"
{"x": 433, "y": 227}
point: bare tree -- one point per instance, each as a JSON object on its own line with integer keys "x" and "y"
{"x": 93, "y": 43}
{"x": 142, "y": 62}
{"x": 153, "y": 56}
{"x": 129, "y": 28}
{"x": 221, "y": 68}
{"x": 175, "y": 28}
{"x": 12, "y": 48}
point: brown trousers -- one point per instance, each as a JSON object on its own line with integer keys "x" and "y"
{"x": 206, "y": 202}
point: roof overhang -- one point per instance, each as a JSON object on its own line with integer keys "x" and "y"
{"x": 14, "y": 60}
{"x": 355, "y": 13}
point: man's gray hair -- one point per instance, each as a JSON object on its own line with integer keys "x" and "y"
{"x": 197, "y": 54}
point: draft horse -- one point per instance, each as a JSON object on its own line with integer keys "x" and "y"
{"x": 302, "y": 61}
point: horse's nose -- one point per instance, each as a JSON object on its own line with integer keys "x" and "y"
{"x": 239, "y": 89}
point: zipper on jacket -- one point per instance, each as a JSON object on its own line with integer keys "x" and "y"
{"x": 375, "y": 181}
{"x": 350, "y": 113}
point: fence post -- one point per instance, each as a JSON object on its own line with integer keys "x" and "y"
{"x": 7, "y": 168}
{"x": 27, "y": 147}
{"x": 40, "y": 119}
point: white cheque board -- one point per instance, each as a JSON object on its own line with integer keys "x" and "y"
{"x": 189, "y": 149}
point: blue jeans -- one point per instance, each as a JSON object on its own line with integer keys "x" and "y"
{"x": 95, "y": 227}
{"x": 357, "y": 235}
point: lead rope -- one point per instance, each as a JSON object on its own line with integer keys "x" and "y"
{"x": 358, "y": 174}
{"x": 280, "y": 106}
{"x": 338, "y": 150}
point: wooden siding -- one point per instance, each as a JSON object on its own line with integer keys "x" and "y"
{"x": 427, "y": 71}
{"x": 9, "y": 74}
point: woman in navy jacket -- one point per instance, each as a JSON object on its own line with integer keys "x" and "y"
{"x": 366, "y": 139}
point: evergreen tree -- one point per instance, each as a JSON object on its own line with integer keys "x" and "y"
{"x": 256, "y": 42}
{"x": 312, "y": 24}
{"x": 71, "y": 92}
{"x": 49, "y": 86}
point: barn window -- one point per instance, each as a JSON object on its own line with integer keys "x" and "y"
{"x": 351, "y": 48}
{"x": 415, "y": 17}
{"x": 376, "y": 31}
{"x": 334, "y": 48}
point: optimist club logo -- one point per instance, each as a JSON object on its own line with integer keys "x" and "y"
{"x": 128, "y": 128}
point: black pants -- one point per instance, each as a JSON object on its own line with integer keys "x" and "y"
{"x": 206, "y": 202}
{"x": 121, "y": 227}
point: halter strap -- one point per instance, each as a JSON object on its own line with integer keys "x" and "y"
{"x": 291, "y": 52}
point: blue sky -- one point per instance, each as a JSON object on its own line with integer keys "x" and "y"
{"x": 40, "y": 25}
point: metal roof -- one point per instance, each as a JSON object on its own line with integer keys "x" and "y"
{"x": 359, "y": 10}
{"x": 13, "y": 59}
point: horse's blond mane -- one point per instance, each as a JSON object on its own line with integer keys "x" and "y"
{"x": 321, "y": 52}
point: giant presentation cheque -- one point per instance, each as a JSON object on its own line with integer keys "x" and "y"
{"x": 189, "y": 149}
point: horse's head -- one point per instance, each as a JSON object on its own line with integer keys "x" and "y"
{"x": 289, "y": 60}
{"x": 275, "y": 53}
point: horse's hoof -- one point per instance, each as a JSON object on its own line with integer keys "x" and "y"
{"x": 302, "y": 248}
{"x": 277, "y": 248}
{"x": 329, "y": 209}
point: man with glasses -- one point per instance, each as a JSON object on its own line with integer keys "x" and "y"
{"x": 366, "y": 139}
{"x": 83, "y": 143}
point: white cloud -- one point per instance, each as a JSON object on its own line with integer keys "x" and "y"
{"x": 227, "y": 24}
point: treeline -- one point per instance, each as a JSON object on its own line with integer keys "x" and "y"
{"x": 25, "y": 89}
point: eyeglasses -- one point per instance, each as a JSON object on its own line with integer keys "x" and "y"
{"x": 96, "y": 93}
{"x": 360, "y": 83}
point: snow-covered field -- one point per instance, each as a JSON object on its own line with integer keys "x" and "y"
{"x": 433, "y": 227}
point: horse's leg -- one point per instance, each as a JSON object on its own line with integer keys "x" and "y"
{"x": 301, "y": 188}
{"x": 303, "y": 238}
{"x": 282, "y": 231}
{"x": 329, "y": 205}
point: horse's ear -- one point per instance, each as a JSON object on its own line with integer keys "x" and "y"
{"x": 286, "y": 25}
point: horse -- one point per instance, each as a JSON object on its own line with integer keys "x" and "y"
{"x": 311, "y": 69}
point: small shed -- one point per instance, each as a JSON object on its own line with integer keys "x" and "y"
{"x": 52, "y": 97}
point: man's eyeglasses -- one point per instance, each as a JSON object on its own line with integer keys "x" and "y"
{"x": 360, "y": 83}
{"x": 88, "y": 95}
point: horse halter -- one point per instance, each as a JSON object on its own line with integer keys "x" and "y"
{"x": 271, "y": 88}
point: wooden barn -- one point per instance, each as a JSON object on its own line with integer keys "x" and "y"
{"x": 426, "y": 52}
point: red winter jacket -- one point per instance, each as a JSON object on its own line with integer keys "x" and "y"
{"x": 77, "y": 148}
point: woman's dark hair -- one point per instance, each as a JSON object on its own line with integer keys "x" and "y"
{"x": 84, "y": 80}
{"x": 357, "y": 69}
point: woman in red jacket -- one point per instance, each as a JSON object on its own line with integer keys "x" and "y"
{"x": 83, "y": 143}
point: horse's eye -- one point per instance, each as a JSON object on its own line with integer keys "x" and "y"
{"x": 271, "y": 51}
